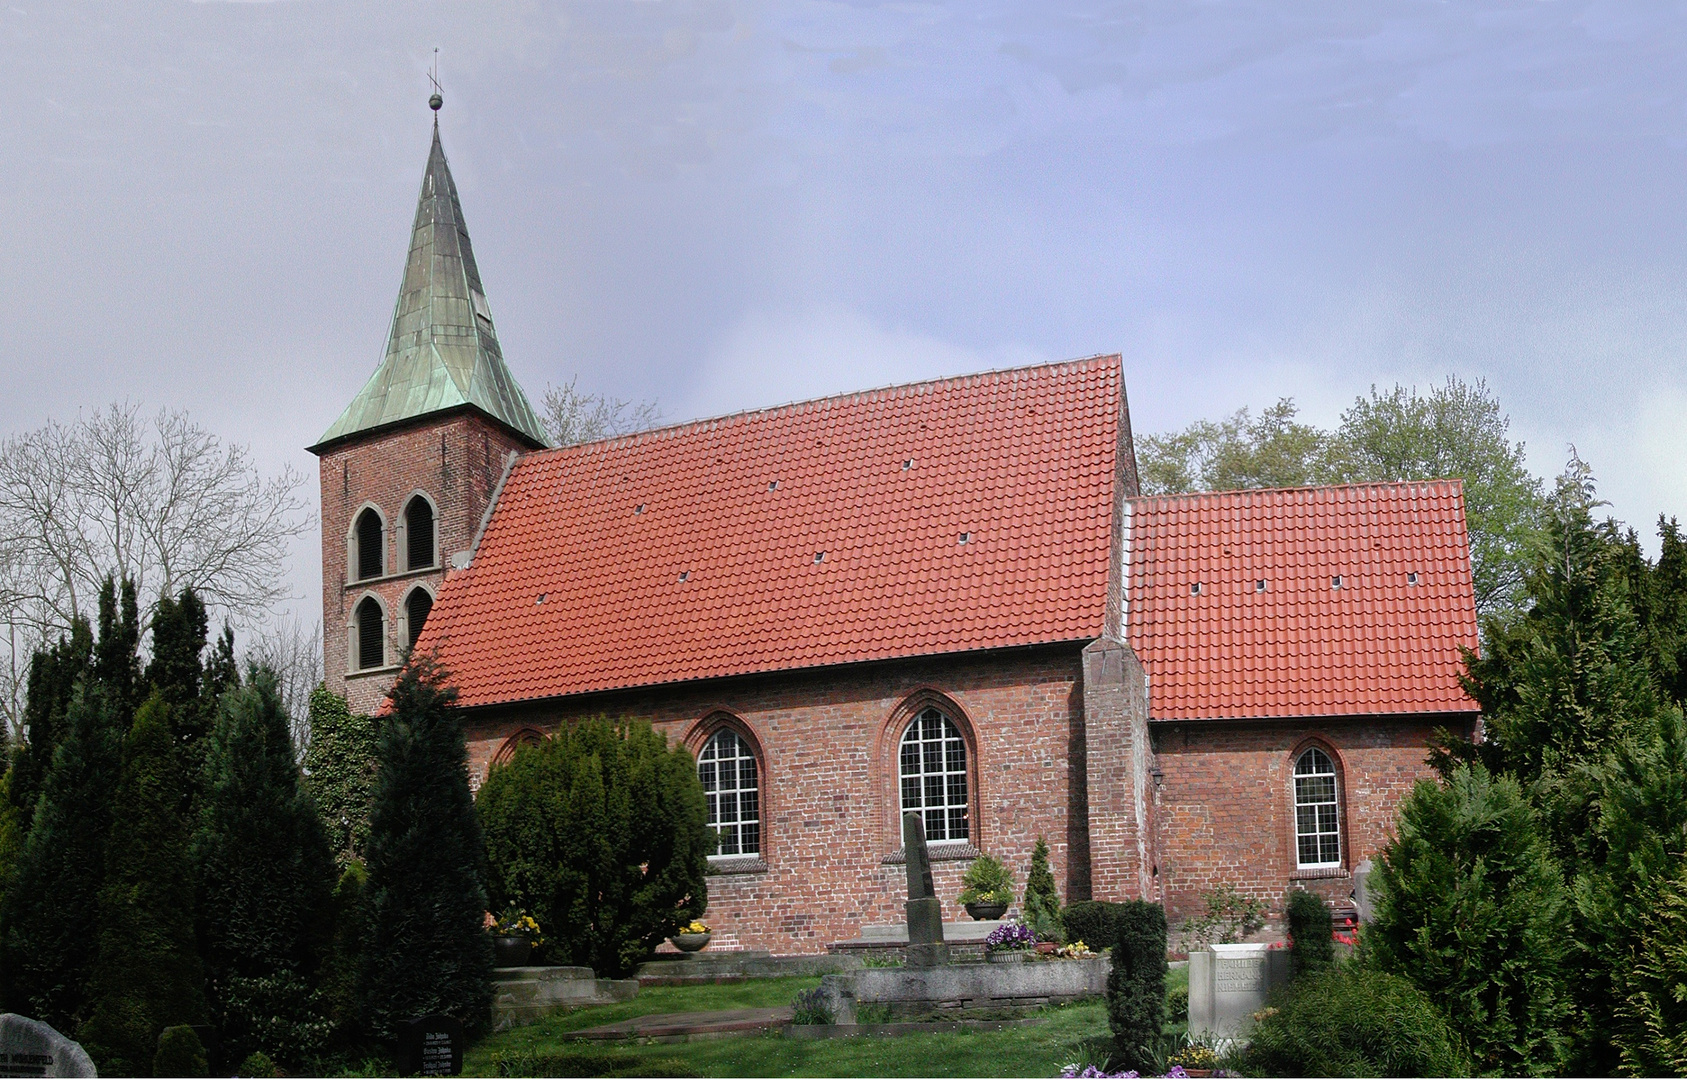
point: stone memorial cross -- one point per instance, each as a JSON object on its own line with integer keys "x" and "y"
{"x": 926, "y": 947}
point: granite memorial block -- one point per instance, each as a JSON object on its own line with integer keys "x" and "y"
{"x": 31, "y": 1048}
{"x": 926, "y": 947}
{"x": 431, "y": 1046}
{"x": 1229, "y": 983}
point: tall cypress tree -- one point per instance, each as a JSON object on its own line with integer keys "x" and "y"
{"x": 49, "y": 917}
{"x": 428, "y": 952}
{"x": 115, "y": 663}
{"x": 53, "y": 675}
{"x": 266, "y": 880}
{"x": 147, "y": 976}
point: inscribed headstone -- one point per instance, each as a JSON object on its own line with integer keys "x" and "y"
{"x": 31, "y": 1048}
{"x": 1229, "y": 983}
{"x": 431, "y": 1046}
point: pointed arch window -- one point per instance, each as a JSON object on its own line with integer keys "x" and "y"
{"x": 371, "y": 634}
{"x": 419, "y": 540}
{"x": 934, "y": 775}
{"x": 1317, "y": 810}
{"x": 416, "y": 608}
{"x": 732, "y": 786}
{"x": 369, "y": 562}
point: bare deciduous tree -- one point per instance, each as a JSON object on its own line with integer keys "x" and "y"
{"x": 292, "y": 648}
{"x": 161, "y": 501}
{"x": 573, "y": 417}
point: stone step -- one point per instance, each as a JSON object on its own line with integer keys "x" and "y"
{"x": 524, "y": 994}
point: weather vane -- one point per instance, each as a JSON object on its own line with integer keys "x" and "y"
{"x": 436, "y": 100}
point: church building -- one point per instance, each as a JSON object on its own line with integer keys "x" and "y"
{"x": 947, "y": 597}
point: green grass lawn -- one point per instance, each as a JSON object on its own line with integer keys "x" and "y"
{"x": 1065, "y": 1033}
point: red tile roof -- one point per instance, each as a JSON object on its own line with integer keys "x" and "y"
{"x": 1376, "y": 645}
{"x": 968, "y": 513}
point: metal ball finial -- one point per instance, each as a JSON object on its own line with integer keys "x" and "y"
{"x": 435, "y": 102}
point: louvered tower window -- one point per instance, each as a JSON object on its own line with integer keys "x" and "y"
{"x": 371, "y": 634}
{"x": 416, "y": 608}
{"x": 934, "y": 775}
{"x": 418, "y": 535}
{"x": 369, "y": 560}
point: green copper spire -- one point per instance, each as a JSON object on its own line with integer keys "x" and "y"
{"x": 442, "y": 352}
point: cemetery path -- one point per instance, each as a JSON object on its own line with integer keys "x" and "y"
{"x": 680, "y": 1026}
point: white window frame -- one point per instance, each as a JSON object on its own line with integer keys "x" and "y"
{"x": 731, "y": 834}
{"x": 937, "y": 786}
{"x": 1317, "y": 791}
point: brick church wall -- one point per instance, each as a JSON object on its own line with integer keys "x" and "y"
{"x": 828, "y": 742}
{"x": 1225, "y": 801}
{"x": 457, "y": 461}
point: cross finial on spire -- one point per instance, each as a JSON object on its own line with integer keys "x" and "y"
{"x": 435, "y": 101}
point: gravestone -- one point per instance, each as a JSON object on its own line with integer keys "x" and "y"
{"x": 31, "y": 1048}
{"x": 431, "y": 1046}
{"x": 1229, "y": 983}
{"x": 926, "y": 947}
{"x": 1362, "y": 898}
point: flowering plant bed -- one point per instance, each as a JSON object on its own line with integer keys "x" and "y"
{"x": 1010, "y": 937}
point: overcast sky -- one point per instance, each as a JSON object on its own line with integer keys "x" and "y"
{"x": 722, "y": 205}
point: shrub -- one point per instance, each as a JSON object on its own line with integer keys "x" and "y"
{"x": 426, "y": 951}
{"x": 986, "y": 881}
{"x": 587, "y": 1063}
{"x": 1093, "y": 922}
{"x": 600, "y": 831}
{"x": 1041, "y": 906}
{"x": 1177, "y": 1005}
{"x": 1311, "y": 933}
{"x": 1352, "y": 1021}
{"x": 1470, "y": 906}
{"x": 265, "y": 882}
{"x": 1652, "y": 1005}
{"x": 257, "y": 1064}
{"x": 339, "y": 977}
{"x": 148, "y": 975}
{"x": 1228, "y": 918}
{"x": 340, "y": 772}
{"x": 1136, "y": 985}
{"x": 50, "y": 910}
{"x": 180, "y": 1053}
{"x": 809, "y": 1007}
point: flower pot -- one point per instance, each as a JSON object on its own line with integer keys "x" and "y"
{"x": 986, "y": 912}
{"x": 690, "y": 942}
{"x": 1047, "y": 948}
{"x": 1008, "y": 956}
{"x": 511, "y": 951}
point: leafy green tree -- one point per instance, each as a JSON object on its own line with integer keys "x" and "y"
{"x": 1136, "y": 984}
{"x": 599, "y": 832}
{"x": 1237, "y": 452}
{"x": 1042, "y": 902}
{"x": 340, "y": 771}
{"x": 50, "y": 914}
{"x": 1455, "y": 430}
{"x": 147, "y": 976}
{"x": 265, "y": 882}
{"x": 427, "y": 951}
{"x": 1471, "y": 907}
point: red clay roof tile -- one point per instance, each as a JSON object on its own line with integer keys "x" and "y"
{"x": 1302, "y": 647}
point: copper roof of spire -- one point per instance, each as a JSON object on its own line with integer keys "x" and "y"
{"x": 442, "y": 351}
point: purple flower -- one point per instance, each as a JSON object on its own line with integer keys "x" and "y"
{"x": 1014, "y": 935}
{"x": 1176, "y": 1072}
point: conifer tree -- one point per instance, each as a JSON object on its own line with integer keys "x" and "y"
{"x": 53, "y": 675}
{"x": 49, "y": 916}
{"x": 147, "y": 976}
{"x": 1042, "y": 902}
{"x": 265, "y": 878}
{"x": 427, "y": 951}
{"x": 115, "y": 663}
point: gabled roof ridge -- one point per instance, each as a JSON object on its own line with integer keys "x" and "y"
{"x": 1298, "y": 488}
{"x": 892, "y": 391}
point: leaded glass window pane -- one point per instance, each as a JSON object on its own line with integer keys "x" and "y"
{"x": 727, "y": 768}
{"x": 1317, "y": 810}
{"x": 934, "y": 776}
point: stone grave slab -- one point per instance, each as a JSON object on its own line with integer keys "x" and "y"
{"x": 1229, "y": 983}
{"x": 431, "y": 1046}
{"x": 31, "y": 1048}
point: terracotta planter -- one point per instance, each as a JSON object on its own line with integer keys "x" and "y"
{"x": 510, "y": 951}
{"x": 986, "y": 912}
{"x": 690, "y": 942}
{"x": 1047, "y": 948}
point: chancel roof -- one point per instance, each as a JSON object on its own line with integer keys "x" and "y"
{"x": 442, "y": 351}
{"x": 957, "y": 515}
{"x": 1326, "y": 601}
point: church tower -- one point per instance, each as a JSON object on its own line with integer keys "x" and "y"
{"x": 410, "y": 467}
